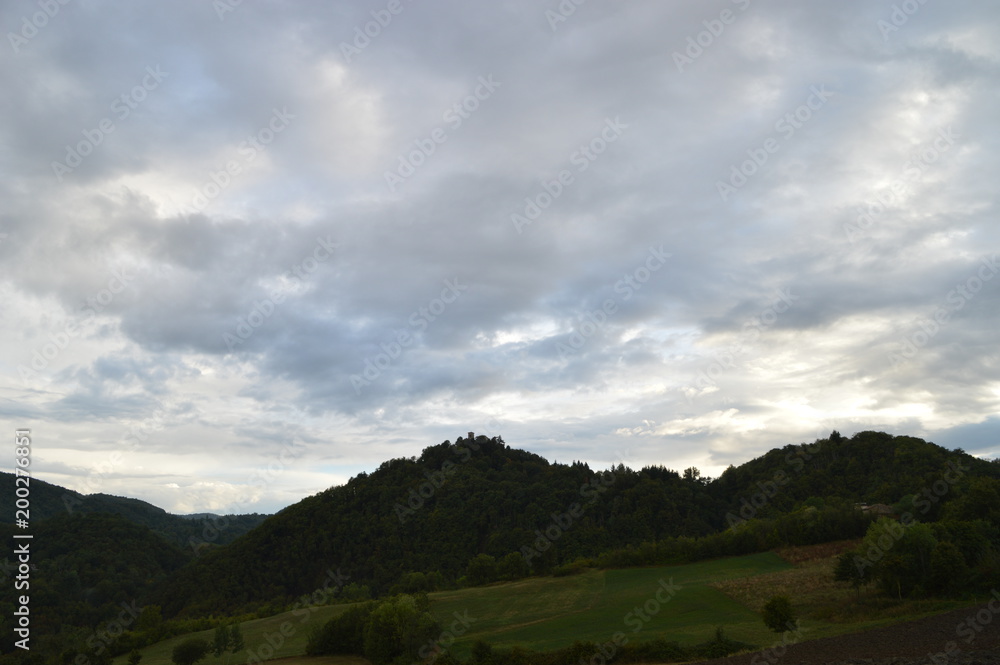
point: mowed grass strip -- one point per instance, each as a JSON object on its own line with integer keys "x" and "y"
{"x": 552, "y": 613}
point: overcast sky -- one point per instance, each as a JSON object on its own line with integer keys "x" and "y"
{"x": 252, "y": 249}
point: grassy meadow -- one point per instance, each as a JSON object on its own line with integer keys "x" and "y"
{"x": 550, "y": 613}
{"x": 681, "y": 603}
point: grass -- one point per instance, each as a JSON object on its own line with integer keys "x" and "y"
{"x": 321, "y": 660}
{"x": 279, "y": 636}
{"x": 827, "y": 608}
{"x": 553, "y": 612}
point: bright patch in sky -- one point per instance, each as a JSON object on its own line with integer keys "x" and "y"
{"x": 242, "y": 266}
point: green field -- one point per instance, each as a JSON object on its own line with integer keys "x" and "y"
{"x": 683, "y": 603}
{"x": 288, "y": 631}
{"x": 550, "y": 613}
{"x": 544, "y": 613}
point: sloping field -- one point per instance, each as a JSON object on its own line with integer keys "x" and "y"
{"x": 675, "y": 602}
{"x": 278, "y": 636}
{"x": 684, "y": 603}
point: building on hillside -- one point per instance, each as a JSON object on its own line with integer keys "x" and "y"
{"x": 876, "y": 509}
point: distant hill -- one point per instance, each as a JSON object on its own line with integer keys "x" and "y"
{"x": 434, "y": 513}
{"x": 49, "y": 501}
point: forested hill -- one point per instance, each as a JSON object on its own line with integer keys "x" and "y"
{"x": 435, "y": 513}
{"x": 84, "y": 567}
{"x": 870, "y": 467}
{"x": 50, "y": 501}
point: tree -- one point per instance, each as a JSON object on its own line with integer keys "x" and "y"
{"x": 482, "y": 570}
{"x": 235, "y": 638}
{"x": 692, "y": 474}
{"x": 899, "y": 556}
{"x": 150, "y": 619}
{"x": 190, "y": 651}
{"x": 355, "y": 592}
{"x": 134, "y": 657}
{"x": 778, "y": 614}
{"x": 849, "y": 570}
{"x": 221, "y": 641}
{"x": 513, "y": 567}
{"x": 482, "y": 653}
{"x": 343, "y": 634}
{"x": 948, "y": 571}
{"x": 396, "y": 629}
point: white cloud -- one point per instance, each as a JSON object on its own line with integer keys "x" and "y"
{"x": 153, "y": 359}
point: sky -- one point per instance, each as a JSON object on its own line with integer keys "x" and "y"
{"x": 251, "y": 249}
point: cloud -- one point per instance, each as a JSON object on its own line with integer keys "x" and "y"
{"x": 206, "y": 263}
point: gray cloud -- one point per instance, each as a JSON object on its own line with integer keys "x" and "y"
{"x": 230, "y": 258}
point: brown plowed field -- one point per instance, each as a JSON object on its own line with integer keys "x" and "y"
{"x": 972, "y": 635}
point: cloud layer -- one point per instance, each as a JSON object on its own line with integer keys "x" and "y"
{"x": 251, "y": 249}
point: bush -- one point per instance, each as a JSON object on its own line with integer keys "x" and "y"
{"x": 573, "y": 568}
{"x": 482, "y": 569}
{"x": 655, "y": 651}
{"x": 341, "y": 635}
{"x": 948, "y": 572}
{"x": 719, "y": 647}
{"x": 396, "y": 629}
{"x": 778, "y": 614}
{"x": 189, "y": 651}
{"x": 482, "y": 653}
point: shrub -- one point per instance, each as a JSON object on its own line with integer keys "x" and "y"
{"x": 189, "y": 651}
{"x": 778, "y": 614}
